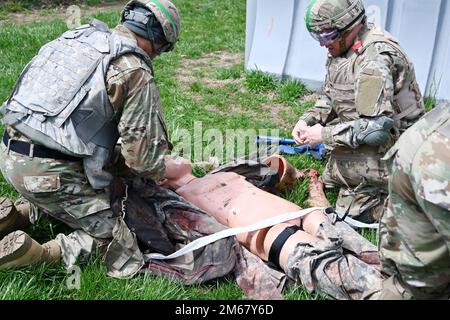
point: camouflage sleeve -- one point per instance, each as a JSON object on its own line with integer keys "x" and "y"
{"x": 374, "y": 90}
{"x": 342, "y": 134}
{"x": 321, "y": 113}
{"x": 135, "y": 97}
{"x": 415, "y": 230}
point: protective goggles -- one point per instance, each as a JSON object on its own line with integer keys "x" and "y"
{"x": 326, "y": 38}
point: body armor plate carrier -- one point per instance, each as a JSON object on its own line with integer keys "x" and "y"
{"x": 61, "y": 101}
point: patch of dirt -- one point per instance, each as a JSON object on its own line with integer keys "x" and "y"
{"x": 311, "y": 97}
{"x": 275, "y": 112}
{"x": 232, "y": 108}
{"x": 202, "y": 69}
{"x": 62, "y": 13}
{"x": 214, "y": 83}
{"x": 220, "y": 59}
{"x": 271, "y": 95}
{"x": 272, "y": 111}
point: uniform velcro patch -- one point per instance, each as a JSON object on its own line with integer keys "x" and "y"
{"x": 369, "y": 91}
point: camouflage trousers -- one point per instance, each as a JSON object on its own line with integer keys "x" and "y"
{"x": 362, "y": 178}
{"x": 61, "y": 190}
{"x": 324, "y": 267}
{"x": 414, "y": 236}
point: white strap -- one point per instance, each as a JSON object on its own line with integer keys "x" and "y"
{"x": 356, "y": 224}
{"x": 204, "y": 241}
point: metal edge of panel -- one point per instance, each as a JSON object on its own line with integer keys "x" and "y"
{"x": 250, "y": 25}
{"x": 440, "y": 88}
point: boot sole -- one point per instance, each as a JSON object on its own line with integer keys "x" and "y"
{"x": 9, "y": 217}
{"x": 6, "y": 209}
{"x": 13, "y": 247}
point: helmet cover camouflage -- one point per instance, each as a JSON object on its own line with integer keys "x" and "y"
{"x": 324, "y": 15}
{"x": 165, "y": 12}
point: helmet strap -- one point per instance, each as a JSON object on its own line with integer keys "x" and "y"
{"x": 361, "y": 15}
{"x": 152, "y": 44}
{"x": 342, "y": 45}
{"x": 345, "y": 31}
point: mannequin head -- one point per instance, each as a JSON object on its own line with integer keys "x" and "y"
{"x": 177, "y": 167}
{"x": 178, "y": 173}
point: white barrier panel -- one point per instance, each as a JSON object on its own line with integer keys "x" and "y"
{"x": 277, "y": 41}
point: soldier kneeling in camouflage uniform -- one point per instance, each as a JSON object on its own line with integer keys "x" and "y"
{"x": 415, "y": 230}
{"x": 70, "y": 105}
{"x": 371, "y": 98}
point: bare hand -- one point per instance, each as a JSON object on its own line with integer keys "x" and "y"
{"x": 299, "y": 132}
{"x": 313, "y": 135}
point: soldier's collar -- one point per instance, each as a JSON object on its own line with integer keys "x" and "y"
{"x": 357, "y": 46}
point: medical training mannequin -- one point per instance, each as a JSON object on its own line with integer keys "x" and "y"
{"x": 234, "y": 202}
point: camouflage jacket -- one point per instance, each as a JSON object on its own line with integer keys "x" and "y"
{"x": 135, "y": 98}
{"x": 415, "y": 230}
{"x": 133, "y": 93}
{"x": 368, "y": 81}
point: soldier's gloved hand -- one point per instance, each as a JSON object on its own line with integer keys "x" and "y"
{"x": 373, "y": 131}
{"x": 299, "y": 131}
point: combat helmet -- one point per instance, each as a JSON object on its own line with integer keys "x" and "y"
{"x": 153, "y": 19}
{"x": 327, "y": 19}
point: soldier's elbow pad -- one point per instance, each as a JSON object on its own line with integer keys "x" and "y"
{"x": 374, "y": 139}
{"x": 374, "y": 131}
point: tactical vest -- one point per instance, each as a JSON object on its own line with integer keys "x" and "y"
{"x": 341, "y": 81}
{"x": 61, "y": 101}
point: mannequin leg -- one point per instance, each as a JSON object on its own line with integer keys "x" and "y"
{"x": 322, "y": 266}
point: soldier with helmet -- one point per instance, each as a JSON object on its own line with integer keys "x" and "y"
{"x": 371, "y": 97}
{"x": 71, "y": 104}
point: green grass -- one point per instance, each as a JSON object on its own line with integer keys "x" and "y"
{"x": 13, "y": 6}
{"x": 259, "y": 82}
{"x": 48, "y": 282}
{"x": 430, "y": 103}
{"x": 291, "y": 91}
{"x": 91, "y": 3}
{"x": 237, "y": 102}
{"x": 234, "y": 72}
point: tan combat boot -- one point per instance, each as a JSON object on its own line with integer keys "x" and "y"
{"x": 18, "y": 249}
{"x": 13, "y": 217}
